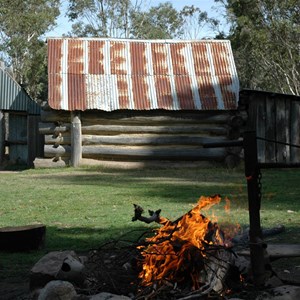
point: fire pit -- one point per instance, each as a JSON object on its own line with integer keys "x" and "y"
{"x": 190, "y": 257}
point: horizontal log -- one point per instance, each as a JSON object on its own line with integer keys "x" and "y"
{"x": 158, "y": 120}
{"x": 148, "y": 139}
{"x": 168, "y": 153}
{"x": 60, "y": 151}
{"x": 55, "y": 116}
{"x": 48, "y": 163}
{"x": 52, "y": 128}
{"x": 140, "y": 117}
{"x": 58, "y": 140}
{"x": 176, "y": 129}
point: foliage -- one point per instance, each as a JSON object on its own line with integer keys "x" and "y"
{"x": 124, "y": 19}
{"x": 194, "y": 21}
{"x": 22, "y": 23}
{"x": 101, "y": 18}
{"x": 265, "y": 39}
{"x": 160, "y": 22}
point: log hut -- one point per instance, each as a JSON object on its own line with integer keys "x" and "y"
{"x": 139, "y": 100}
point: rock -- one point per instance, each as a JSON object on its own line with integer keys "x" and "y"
{"x": 108, "y": 296}
{"x": 57, "y": 265}
{"x": 58, "y": 289}
{"x": 285, "y": 292}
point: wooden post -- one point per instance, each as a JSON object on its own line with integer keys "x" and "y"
{"x": 2, "y": 136}
{"x": 35, "y": 141}
{"x": 76, "y": 148}
{"x": 255, "y": 234}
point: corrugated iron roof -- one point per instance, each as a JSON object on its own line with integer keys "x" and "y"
{"x": 14, "y": 97}
{"x": 112, "y": 74}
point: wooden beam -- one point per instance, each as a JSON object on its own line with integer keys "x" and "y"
{"x": 61, "y": 139}
{"x": 53, "y": 128}
{"x": 176, "y": 129}
{"x": 60, "y": 151}
{"x": 149, "y": 153}
{"x": 148, "y": 139}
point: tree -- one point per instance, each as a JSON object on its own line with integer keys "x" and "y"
{"x": 124, "y": 19}
{"x": 101, "y": 18}
{"x": 265, "y": 38}
{"x": 160, "y": 22}
{"x": 194, "y": 22}
{"x": 22, "y": 24}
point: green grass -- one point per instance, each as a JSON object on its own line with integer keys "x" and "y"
{"x": 84, "y": 207}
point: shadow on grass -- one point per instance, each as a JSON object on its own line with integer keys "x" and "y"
{"x": 185, "y": 185}
{"x": 179, "y": 186}
{"x": 84, "y": 239}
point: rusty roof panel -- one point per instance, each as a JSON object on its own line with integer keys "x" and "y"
{"x": 112, "y": 74}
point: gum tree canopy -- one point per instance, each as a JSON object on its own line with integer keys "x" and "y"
{"x": 265, "y": 37}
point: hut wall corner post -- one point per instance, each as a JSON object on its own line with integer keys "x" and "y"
{"x": 76, "y": 146}
{"x": 257, "y": 247}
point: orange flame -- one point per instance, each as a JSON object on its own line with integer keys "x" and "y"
{"x": 175, "y": 243}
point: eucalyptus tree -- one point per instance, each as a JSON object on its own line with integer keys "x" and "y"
{"x": 265, "y": 37}
{"x": 197, "y": 24}
{"x": 124, "y": 19}
{"x": 102, "y": 18}
{"x": 159, "y": 22}
{"x": 22, "y": 25}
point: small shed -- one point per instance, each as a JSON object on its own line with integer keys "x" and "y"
{"x": 20, "y": 141}
{"x": 118, "y": 99}
{"x": 276, "y": 119}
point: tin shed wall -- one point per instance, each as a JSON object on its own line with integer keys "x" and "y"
{"x": 108, "y": 74}
{"x": 13, "y": 97}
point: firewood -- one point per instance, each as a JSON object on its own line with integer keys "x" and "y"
{"x": 154, "y": 215}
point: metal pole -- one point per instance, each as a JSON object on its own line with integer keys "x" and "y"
{"x": 257, "y": 247}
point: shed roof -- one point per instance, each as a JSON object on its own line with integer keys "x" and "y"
{"x": 112, "y": 74}
{"x": 14, "y": 97}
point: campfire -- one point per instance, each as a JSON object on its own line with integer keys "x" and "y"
{"x": 192, "y": 253}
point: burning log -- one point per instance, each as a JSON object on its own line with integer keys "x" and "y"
{"x": 191, "y": 251}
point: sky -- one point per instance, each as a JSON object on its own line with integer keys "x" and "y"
{"x": 63, "y": 26}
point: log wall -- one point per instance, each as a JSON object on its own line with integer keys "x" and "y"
{"x": 141, "y": 135}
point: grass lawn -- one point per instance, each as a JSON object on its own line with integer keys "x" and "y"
{"x": 84, "y": 207}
